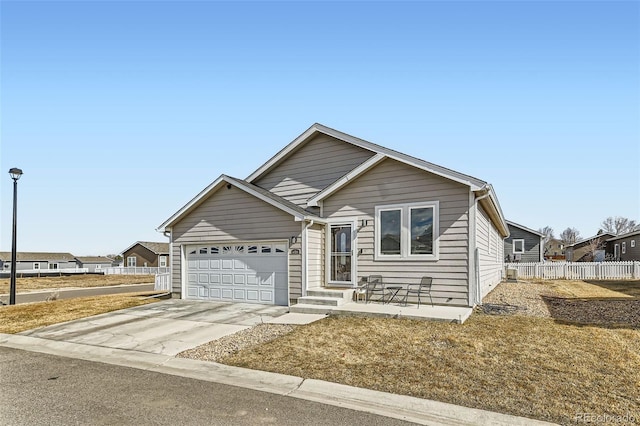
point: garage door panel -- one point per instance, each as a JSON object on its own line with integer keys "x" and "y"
{"x": 249, "y": 272}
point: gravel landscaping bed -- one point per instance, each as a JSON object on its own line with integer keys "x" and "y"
{"x": 221, "y": 348}
{"x": 521, "y": 298}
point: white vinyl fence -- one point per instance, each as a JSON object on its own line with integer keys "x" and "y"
{"x": 134, "y": 271}
{"x": 577, "y": 270}
{"x": 163, "y": 282}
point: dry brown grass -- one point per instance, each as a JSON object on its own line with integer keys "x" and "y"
{"x": 17, "y": 318}
{"x": 89, "y": 280}
{"x": 589, "y": 288}
{"x": 521, "y": 365}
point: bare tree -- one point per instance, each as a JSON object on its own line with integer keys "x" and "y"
{"x": 619, "y": 225}
{"x": 547, "y": 231}
{"x": 593, "y": 247}
{"x": 569, "y": 236}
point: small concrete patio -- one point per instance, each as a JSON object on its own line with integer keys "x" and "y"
{"x": 340, "y": 302}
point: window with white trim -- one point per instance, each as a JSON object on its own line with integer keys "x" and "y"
{"x": 53, "y": 266}
{"x": 633, "y": 243}
{"x": 518, "y": 246}
{"x": 131, "y": 261}
{"x": 36, "y": 265}
{"x": 407, "y": 231}
{"x": 624, "y": 247}
{"x": 162, "y": 262}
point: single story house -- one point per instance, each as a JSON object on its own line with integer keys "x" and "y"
{"x": 94, "y": 263}
{"x": 33, "y": 261}
{"x": 624, "y": 247}
{"x": 330, "y": 210}
{"x": 523, "y": 244}
{"x": 590, "y": 249}
{"x": 146, "y": 254}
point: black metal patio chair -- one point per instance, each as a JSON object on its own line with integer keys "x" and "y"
{"x": 375, "y": 286}
{"x": 422, "y": 288}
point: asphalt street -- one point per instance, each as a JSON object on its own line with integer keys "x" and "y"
{"x": 38, "y": 388}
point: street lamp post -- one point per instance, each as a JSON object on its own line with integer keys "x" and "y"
{"x": 15, "y": 175}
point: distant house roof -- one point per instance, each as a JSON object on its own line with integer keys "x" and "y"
{"x": 94, "y": 259}
{"x": 155, "y": 247}
{"x": 604, "y": 236}
{"x": 24, "y": 256}
{"x": 524, "y": 228}
{"x": 628, "y": 234}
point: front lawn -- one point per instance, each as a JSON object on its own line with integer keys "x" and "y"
{"x": 522, "y": 365}
{"x": 79, "y": 280}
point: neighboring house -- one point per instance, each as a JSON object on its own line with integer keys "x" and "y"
{"x": 29, "y": 261}
{"x": 146, "y": 254}
{"x": 523, "y": 244}
{"x": 94, "y": 263}
{"x": 554, "y": 250}
{"x": 329, "y": 210}
{"x": 624, "y": 247}
{"x": 590, "y": 249}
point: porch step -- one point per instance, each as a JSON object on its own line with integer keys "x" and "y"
{"x": 347, "y": 293}
{"x": 319, "y": 300}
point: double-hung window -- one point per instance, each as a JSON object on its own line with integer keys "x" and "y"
{"x": 407, "y": 231}
{"x": 131, "y": 261}
{"x": 518, "y": 246}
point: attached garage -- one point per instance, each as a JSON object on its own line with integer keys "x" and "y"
{"x": 252, "y": 272}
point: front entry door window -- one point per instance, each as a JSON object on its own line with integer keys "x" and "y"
{"x": 341, "y": 253}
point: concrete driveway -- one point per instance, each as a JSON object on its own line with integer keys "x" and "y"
{"x": 167, "y": 327}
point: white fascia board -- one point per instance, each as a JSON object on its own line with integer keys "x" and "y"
{"x": 194, "y": 201}
{"x": 284, "y": 152}
{"x": 313, "y": 201}
{"x": 524, "y": 228}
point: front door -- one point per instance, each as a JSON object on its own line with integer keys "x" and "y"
{"x": 341, "y": 266}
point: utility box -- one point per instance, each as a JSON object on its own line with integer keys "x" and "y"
{"x": 512, "y": 274}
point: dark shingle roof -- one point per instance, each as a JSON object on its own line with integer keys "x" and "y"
{"x": 37, "y": 256}
{"x": 94, "y": 259}
{"x": 155, "y": 247}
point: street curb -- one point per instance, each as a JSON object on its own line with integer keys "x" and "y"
{"x": 401, "y": 407}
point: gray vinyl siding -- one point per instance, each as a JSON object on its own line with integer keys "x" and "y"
{"x": 490, "y": 253}
{"x": 532, "y": 244}
{"x": 234, "y": 215}
{"x": 631, "y": 253}
{"x": 314, "y": 166}
{"x": 316, "y": 237}
{"x": 392, "y": 182}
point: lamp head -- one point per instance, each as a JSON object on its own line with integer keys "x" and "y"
{"x": 15, "y": 173}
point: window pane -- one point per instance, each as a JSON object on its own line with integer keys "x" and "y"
{"x": 280, "y": 248}
{"x": 422, "y": 230}
{"x": 518, "y": 246}
{"x": 215, "y": 250}
{"x": 390, "y": 232}
{"x": 340, "y": 267}
{"x": 252, "y": 249}
{"x": 266, "y": 249}
{"x": 341, "y": 239}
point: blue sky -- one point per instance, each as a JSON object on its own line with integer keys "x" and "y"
{"x": 120, "y": 112}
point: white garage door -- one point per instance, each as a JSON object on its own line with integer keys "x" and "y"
{"x": 248, "y": 272}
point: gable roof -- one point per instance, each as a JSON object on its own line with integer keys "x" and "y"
{"x": 628, "y": 234}
{"x": 524, "y": 228}
{"x": 154, "y": 247}
{"x": 94, "y": 259}
{"x": 24, "y": 256}
{"x": 268, "y": 197}
{"x": 474, "y": 183}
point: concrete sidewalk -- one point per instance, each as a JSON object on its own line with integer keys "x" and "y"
{"x": 148, "y": 337}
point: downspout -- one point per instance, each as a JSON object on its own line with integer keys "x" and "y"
{"x": 476, "y": 261}
{"x": 305, "y": 256}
